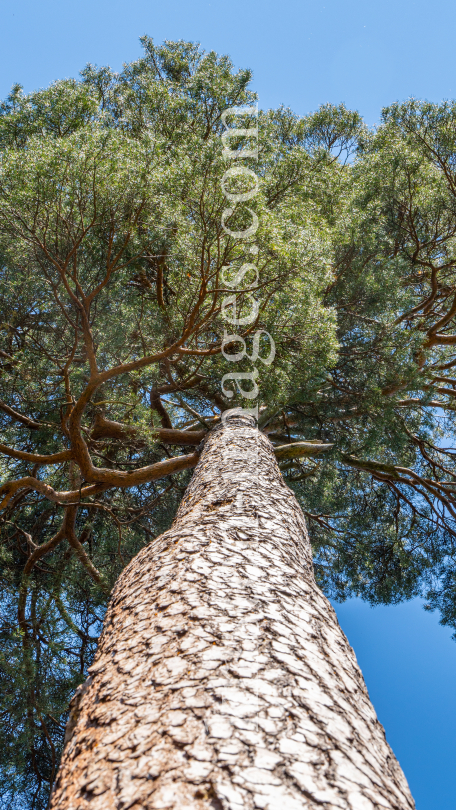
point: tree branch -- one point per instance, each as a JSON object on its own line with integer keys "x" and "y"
{"x": 300, "y": 449}
{"x": 104, "y": 479}
{"x": 54, "y": 458}
{"x": 19, "y": 417}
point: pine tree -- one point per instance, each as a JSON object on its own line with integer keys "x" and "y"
{"x": 130, "y": 301}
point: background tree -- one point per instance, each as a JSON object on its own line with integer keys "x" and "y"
{"x": 111, "y": 289}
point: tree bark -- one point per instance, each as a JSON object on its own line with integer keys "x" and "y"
{"x": 222, "y": 678}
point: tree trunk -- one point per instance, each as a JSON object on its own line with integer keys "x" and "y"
{"x": 222, "y": 678}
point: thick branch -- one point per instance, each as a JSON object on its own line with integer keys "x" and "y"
{"x": 105, "y": 479}
{"x": 180, "y": 437}
{"x": 108, "y": 429}
{"x": 19, "y": 417}
{"x": 300, "y": 449}
{"x": 370, "y": 466}
{"x": 54, "y": 458}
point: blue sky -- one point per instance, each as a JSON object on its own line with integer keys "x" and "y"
{"x": 409, "y": 664}
{"x": 302, "y": 54}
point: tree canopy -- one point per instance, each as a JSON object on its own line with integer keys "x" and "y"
{"x": 114, "y": 342}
